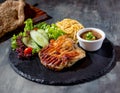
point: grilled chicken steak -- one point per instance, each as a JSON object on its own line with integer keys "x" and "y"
{"x": 61, "y": 53}
{"x": 11, "y": 15}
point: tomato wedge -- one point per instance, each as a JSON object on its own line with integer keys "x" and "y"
{"x": 27, "y": 51}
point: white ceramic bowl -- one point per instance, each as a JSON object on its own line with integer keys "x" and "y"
{"x": 90, "y": 45}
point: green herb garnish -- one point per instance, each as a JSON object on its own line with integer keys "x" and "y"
{"x": 90, "y": 36}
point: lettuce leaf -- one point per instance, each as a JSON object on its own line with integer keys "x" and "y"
{"x": 52, "y": 30}
{"x": 28, "y": 25}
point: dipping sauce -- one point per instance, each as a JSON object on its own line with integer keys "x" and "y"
{"x": 91, "y": 35}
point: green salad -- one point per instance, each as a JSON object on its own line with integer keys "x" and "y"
{"x": 34, "y": 37}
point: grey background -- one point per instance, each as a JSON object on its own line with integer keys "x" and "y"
{"x": 104, "y": 14}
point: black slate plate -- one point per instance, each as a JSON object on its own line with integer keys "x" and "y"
{"x": 95, "y": 65}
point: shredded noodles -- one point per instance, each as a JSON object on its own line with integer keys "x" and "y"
{"x": 70, "y": 27}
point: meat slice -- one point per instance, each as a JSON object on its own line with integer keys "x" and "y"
{"x": 11, "y": 15}
{"x": 61, "y": 53}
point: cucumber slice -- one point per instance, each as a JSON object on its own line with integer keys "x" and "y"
{"x": 42, "y": 32}
{"x": 39, "y": 38}
{"x": 30, "y": 43}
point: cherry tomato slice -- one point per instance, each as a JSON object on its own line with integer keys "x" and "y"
{"x": 27, "y": 50}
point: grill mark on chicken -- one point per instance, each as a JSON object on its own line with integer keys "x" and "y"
{"x": 53, "y": 61}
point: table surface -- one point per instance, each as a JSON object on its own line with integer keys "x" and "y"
{"x": 103, "y": 14}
